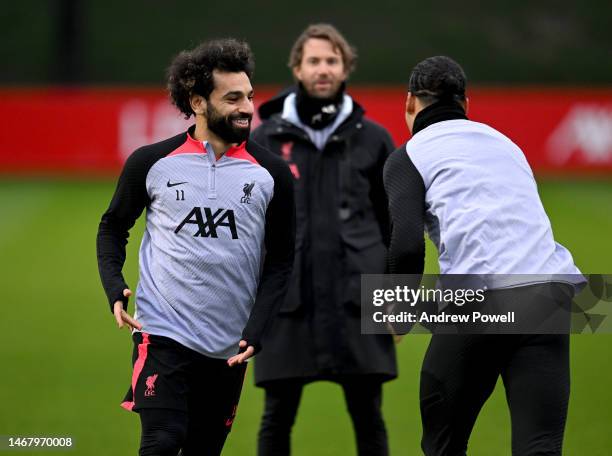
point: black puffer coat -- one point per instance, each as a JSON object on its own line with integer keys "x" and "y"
{"x": 342, "y": 232}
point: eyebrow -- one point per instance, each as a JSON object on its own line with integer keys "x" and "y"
{"x": 235, "y": 93}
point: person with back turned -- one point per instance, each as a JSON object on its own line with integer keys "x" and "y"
{"x": 472, "y": 190}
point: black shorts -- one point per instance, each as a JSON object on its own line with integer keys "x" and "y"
{"x": 168, "y": 375}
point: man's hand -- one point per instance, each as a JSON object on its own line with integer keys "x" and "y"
{"x": 122, "y": 317}
{"x": 241, "y": 357}
{"x": 397, "y": 338}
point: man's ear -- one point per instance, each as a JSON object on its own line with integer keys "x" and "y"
{"x": 198, "y": 104}
{"x": 466, "y": 105}
{"x": 410, "y": 104}
{"x": 296, "y": 72}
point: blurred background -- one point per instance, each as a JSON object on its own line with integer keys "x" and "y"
{"x": 82, "y": 85}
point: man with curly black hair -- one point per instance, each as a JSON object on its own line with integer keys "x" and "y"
{"x": 214, "y": 201}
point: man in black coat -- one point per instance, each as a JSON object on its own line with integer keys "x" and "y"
{"x": 336, "y": 157}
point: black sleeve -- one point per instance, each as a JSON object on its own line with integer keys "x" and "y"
{"x": 406, "y": 192}
{"x": 377, "y": 190}
{"x": 127, "y": 204}
{"x": 279, "y": 245}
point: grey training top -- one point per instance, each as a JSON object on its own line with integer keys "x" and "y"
{"x": 473, "y": 191}
{"x": 208, "y": 224}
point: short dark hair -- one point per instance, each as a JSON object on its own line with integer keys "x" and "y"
{"x": 192, "y": 71}
{"x": 324, "y": 32}
{"x": 438, "y": 78}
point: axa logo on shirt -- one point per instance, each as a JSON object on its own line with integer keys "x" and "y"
{"x": 209, "y": 223}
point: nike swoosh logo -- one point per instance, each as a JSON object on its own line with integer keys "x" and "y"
{"x": 175, "y": 184}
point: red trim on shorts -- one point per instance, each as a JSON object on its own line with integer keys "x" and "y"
{"x": 143, "y": 350}
{"x": 128, "y": 405}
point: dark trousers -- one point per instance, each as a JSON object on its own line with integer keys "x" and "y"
{"x": 166, "y": 431}
{"x": 363, "y": 399}
{"x": 460, "y": 372}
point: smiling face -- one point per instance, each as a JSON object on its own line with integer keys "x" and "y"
{"x": 229, "y": 108}
{"x": 321, "y": 70}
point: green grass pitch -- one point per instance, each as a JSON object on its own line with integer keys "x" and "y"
{"x": 65, "y": 366}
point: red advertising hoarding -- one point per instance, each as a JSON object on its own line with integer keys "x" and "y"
{"x": 92, "y": 131}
